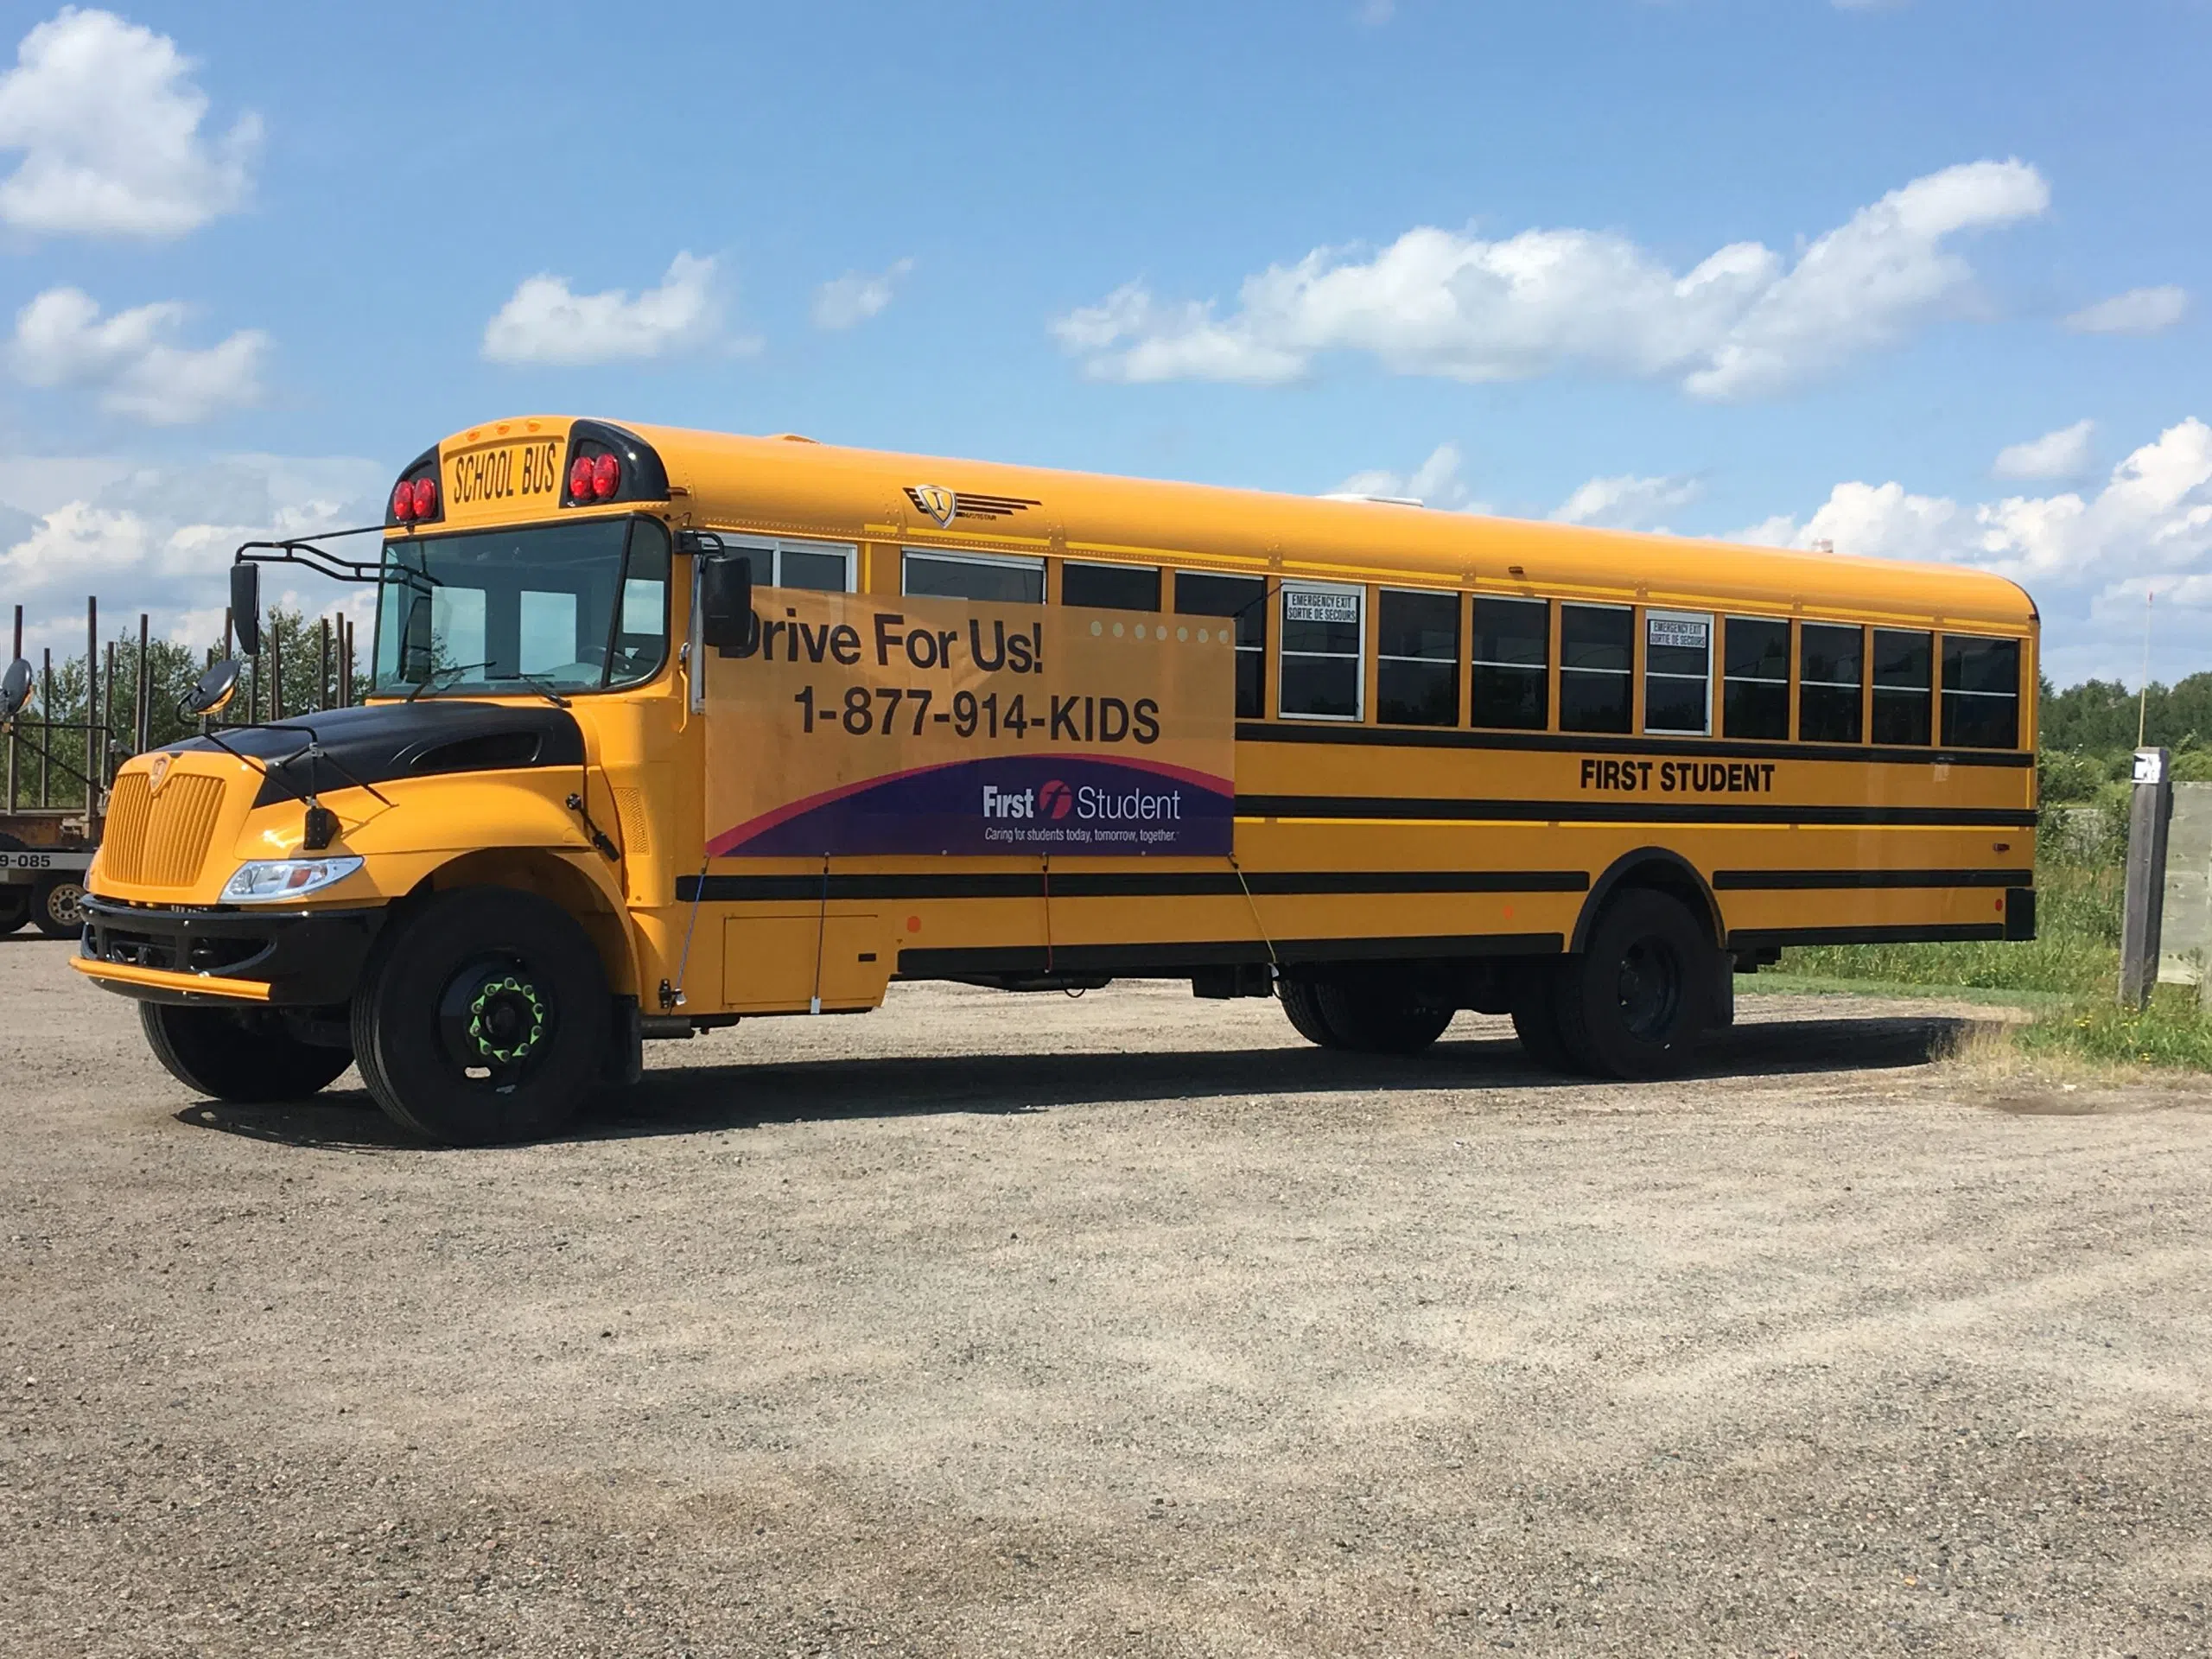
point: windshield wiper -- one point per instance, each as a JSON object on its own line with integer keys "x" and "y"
{"x": 542, "y": 687}
{"x": 430, "y": 681}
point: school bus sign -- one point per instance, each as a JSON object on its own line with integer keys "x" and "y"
{"x": 859, "y": 725}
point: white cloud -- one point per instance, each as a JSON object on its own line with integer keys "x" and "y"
{"x": 2151, "y": 520}
{"x": 108, "y": 119}
{"x": 2139, "y": 311}
{"x": 546, "y": 322}
{"x": 63, "y": 340}
{"x": 847, "y": 301}
{"x": 2062, "y": 453}
{"x": 1742, "y": 323}
{"x": 1435, "y": 483}
{"x": 1627, "y": 502}
{"x": 159, "y": 538}
{"x": 1373, "y": 14}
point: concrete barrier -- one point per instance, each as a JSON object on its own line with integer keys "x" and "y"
{"x": 2185, "y": 943}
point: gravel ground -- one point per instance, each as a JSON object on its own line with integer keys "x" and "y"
{"x": 1130, "y": 1325}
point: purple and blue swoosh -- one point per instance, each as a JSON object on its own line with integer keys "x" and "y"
{"x": 939, "y": 809}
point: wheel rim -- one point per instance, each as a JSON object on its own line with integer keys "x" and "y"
{"x": 1649, "y": 989}
{"x": 497, "y": 1022}
{"x": 65, "y": 904}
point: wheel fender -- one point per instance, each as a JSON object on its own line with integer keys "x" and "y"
{"x": 1676, "y": 875}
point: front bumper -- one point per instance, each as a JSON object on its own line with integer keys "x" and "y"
{"x": 289, "y": 958}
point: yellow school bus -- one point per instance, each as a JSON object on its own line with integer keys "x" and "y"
{"x": 672, "y": 728}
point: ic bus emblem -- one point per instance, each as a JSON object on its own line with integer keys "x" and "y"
{"x": 941, "y": 504}
{"x": 158, "y": 774}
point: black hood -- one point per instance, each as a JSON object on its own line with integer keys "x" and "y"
{"x": 385, "y": 741}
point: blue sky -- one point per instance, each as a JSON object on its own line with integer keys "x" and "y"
{"x": 1781, "y": 268}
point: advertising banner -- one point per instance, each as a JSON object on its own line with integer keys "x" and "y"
{"x": 860, "y": 724}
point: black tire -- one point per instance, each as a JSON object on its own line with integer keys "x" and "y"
{"x": 1301, "y": 1001}
{"x": 58, "y": 905}
{"x": 1379, "y": 1015}
{"x": 15, "y": 905}
{"x": 483, "y": 1017}
{"x": 247, "y": 1058}
{"x": 1535, "y": 1016}
{"x": 1633, "y": 1004}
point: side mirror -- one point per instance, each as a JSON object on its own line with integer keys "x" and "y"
{"x": 15, "y": 689}
{"x": 213, "y": 693}
{"x": 246, "y": 607}
{"x": 726, "y": 620}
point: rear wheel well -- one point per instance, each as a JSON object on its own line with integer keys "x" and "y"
{"x": 1650, "y": 869}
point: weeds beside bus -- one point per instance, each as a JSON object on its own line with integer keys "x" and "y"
{"x": 669, "y": 729}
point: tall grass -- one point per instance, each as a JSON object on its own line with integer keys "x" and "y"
{"x": 2076, "y": 954}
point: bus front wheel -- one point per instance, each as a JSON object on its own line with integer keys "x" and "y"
{"x": 1633, "y": 1003}
{"x": 484, "y": 1017}
{"x": 244, "y": 1058}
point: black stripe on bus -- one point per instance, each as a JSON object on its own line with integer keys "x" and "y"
{"x": 1638, "y": 810}
{"x": 1445, "y": 737}
{"x": 1122, "y": 884}
{"x": 1946, "y": 933}
{"x": 1809, "y": 881}
{"x": 1166, "y": 960}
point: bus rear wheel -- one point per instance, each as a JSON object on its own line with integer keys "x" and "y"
{"x": 483, "y": 1018}
{"x": 1377, "y": 1015}
{"x": 246, "y": 1059}
{"x": 14, "y": 905}
{"x": 1634, "y": 1002}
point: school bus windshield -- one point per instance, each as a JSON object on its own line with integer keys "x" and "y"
{"x": 571, "y": 607}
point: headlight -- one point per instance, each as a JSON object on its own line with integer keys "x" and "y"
{"x": 267, "y": 880}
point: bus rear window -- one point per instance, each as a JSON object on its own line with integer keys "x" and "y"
{"x": 1981, "y": 693}
{"x": 1901, "y": 665}
{"x": 1831, "y": 670}
{"x": 1755, "y": 684}
{"x": 1596, "y": 644}
{"x": 1511, "y": 655}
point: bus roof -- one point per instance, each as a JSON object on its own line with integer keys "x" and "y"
{"x": 796, "y": 487}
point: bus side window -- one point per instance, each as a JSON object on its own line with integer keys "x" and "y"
{"x": 1755, "y": 689}
{"x": 1981, "y": 693}
{"x": 1596, "y": 676}
{"x": 1417, "y": 648}
{"x": 1830, "y": 673}
{"x": 1678, "y": 673}
{"x": 990, "y": 578}
{"x": 1199, "y": 593}
{"x": 1903, "y": 662}
{"x": 1111, "y": 587}
{"x": 1511, "y": 657}
{"x": 1322, "y": 671}
{"x": 826, "y": 566}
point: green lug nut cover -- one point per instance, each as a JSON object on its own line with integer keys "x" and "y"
{"x": 484, "y": 1043}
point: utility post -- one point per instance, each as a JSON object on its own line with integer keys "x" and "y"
{"x": 2144, "y": 900}
{"x": 12, "y": 656}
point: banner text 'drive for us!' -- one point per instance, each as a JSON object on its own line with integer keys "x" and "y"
{"x": 860, "y": 724}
